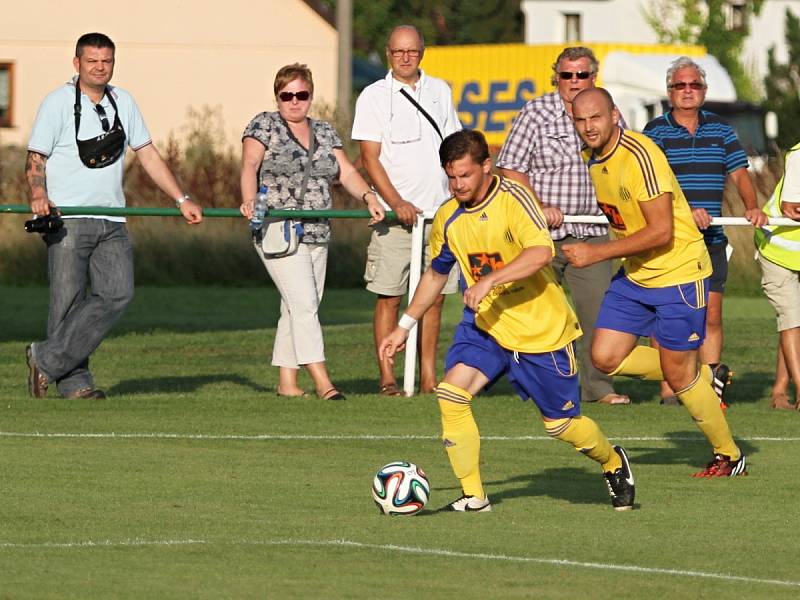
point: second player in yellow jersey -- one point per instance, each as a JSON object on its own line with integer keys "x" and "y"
{"x": 635, "y": 170}
{"x": 663, "y": 291}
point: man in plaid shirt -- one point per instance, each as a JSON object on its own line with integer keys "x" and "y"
{"x": 543, "y": 151}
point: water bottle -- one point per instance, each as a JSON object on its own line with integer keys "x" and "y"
{"x": 259, "y": 210}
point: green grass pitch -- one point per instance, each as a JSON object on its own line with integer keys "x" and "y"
{"x": 193, "y": 480}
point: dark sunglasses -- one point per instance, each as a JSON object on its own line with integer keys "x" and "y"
{"x": 301, "y": 96}
{"x": 101, "y": 112}
{"x": 681, "y": 85}
{"x": 578, "y": 74}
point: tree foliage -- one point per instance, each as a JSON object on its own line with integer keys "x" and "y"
{"x": 782, "y": 85}
{"x": 442, "y": 22}
{"x": 705, "y": 22}
{"x": 676, "y": 21}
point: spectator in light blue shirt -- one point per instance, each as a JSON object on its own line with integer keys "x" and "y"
{"x": 76, "y": 158}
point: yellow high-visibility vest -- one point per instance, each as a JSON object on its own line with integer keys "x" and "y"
{"x": 776, "y": 243}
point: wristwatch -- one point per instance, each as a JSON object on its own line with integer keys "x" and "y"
{"x": 369, "y": 191}
{"x": 181, "y": 200}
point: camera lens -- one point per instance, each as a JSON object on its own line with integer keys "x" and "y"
{"x": 48, "y": 224}
{"x": 34, "y": 225}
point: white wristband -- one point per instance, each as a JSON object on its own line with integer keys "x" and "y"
{"x": 407, "y": 322}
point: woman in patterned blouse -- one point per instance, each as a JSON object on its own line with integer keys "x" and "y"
{"x": 275, "y": 154}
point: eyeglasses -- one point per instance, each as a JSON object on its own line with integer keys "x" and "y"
{"x": 397, "y": 53}
{"x": 681, "y": 85}
{"x": 101, "y": 112}
{"x": 301, "y": 96}
{"x": 579, "y": 74}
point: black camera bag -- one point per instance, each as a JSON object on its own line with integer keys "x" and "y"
{"x": 105, "y": 149}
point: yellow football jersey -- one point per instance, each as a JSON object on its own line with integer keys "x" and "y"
{"x": 635, "y": 171}
{"x": 531, "y": 315}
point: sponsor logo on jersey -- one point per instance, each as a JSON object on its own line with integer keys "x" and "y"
{"x": 483, "y": 263}
{"x": 613, "y": 215}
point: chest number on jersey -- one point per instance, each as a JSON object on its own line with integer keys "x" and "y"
{"x": 483, "y": 263}
{"x": 612, "y": 214}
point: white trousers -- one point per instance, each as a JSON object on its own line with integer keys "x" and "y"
{"x": 300, "y": 279}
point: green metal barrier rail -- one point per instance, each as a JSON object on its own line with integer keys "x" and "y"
{"x": 174, "y": 212}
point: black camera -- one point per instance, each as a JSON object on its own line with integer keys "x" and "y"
{"x": 47, "y": 224}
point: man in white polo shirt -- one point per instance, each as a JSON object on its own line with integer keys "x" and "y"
{"x": 400, "y": 122}
{"x": 76, "y": 158}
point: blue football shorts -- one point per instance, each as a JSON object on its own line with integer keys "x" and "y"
{"x": 550, "y": 379}
{"x": 675, "y": 316}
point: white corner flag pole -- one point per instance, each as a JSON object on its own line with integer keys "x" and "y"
{"x": 415, "y": 271}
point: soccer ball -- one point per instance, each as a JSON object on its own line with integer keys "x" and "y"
{"x": 400, "y": 488}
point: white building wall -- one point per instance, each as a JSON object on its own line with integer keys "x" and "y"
{"x": 601, "y": 21}
{"x": 768, "y": 29}
{"x": 172, "y": 55}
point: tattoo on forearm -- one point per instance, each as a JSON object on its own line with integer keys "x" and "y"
{"x": 35, "y": 170}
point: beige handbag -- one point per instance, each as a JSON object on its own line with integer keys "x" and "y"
{"x": 280, "y": 236}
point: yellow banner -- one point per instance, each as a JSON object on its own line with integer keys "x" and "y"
{"x": 491, "y": 83}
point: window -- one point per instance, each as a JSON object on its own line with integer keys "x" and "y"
{"x": 572, "y": 27}
{"x": 736, "y": 15}
{"x": 6, "y": 93}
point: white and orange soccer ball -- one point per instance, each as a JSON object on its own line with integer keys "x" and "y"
{"x": 400, "y": 488}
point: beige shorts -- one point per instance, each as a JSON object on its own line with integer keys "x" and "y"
{"x": 389, "y": 259}
{"x": 782, "y": 288}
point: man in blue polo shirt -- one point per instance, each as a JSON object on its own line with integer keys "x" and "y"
{"x": 76, "y": 158}
{"x": 703, "y": 151}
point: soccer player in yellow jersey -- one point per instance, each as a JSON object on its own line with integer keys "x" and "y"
{"x": 661, "y": 289}
{"x": 516, "y": 320}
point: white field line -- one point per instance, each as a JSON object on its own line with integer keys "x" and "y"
{"x": 352, "y": 437}
{"x": 407, "y": 550}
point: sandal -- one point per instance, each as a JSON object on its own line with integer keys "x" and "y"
{"x": 781, "y": 402}
{"x": 332, "y": 394}
{"x": 391, "y": 390}
{"x": 614, "y": 399}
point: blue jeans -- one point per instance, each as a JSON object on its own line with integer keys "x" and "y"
{"x": 90, "y": 267}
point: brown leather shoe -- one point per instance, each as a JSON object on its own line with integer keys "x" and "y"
{"x": 781, "y": 401}
{"x": 37, "y": 382}
{"x": 391, "y": 390}
{"x": 88, "y": 394}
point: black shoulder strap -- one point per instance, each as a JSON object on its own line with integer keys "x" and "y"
{"x": 423, "y": 111}
{"x": 77, "y": 107}
{"x": 312, "y": 147}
